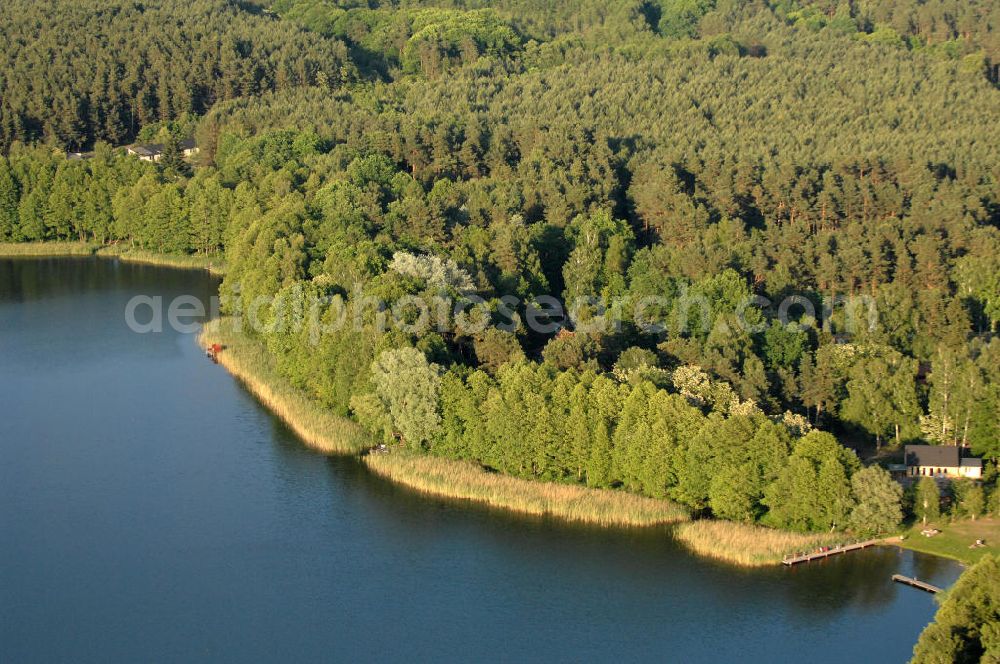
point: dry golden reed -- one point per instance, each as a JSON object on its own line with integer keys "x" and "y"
{"x": 250, "y": 362}
{"x": 747, "y": 545}
{"x": 468, "y": 481}
{"x": 28, "y": 249}
{"x": 214, "y": 264}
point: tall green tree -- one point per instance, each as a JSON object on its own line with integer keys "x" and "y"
{"x": 927, "y": 500}
{"x": 9, "y": 198}
{"x": 881, "y": 395}
{"x": 970, "y": 499}
{"x": 878, "y": 510}
{"x": 408, "y": 386}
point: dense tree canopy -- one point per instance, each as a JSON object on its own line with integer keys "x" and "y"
{"x": 75, "y": 71}
{"x": 833, "y": 164}
{"x": 966, "y": 628}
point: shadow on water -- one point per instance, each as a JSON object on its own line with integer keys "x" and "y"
{"x": 859, "y": 580}
{"x": 32, "y": 279}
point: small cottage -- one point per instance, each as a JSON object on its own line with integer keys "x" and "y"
{"x": 189, "y": 148}
{"x": 154, "y": 151}
{"x": 148, "y": 152}
{"x": 942, "y": 461}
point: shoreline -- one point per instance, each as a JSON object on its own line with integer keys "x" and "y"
{"x": 746, "y": 545}
{"x": 248, "y": 361}
{"x": 735, "y": 544}
{"x": 927, "y": 551}
{"x": 467, "y": 481}
{"x": 955, "y": 540}
{"x": 214, "y": 265}
{"x": 46, "y": 249}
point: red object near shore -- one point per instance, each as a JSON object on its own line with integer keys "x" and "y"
{"x": 213, "y": 352}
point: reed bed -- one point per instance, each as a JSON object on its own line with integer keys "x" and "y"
{"x": 467, "y": 481}
{"x": 34, "y": 249}
{"x": 213, "y": 263}
{"x": 747, "y": 545}
{"x": 250, "y": 362}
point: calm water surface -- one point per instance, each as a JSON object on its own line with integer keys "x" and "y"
{"x": 151, "y": 510}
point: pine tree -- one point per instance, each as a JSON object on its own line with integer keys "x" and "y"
{"x": 9, "y": 195}
{"x": 599, "y": 464}
{"x": 578, "y": 428}
{"x": 172, "y": 159}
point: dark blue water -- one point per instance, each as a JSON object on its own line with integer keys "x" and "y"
{"x": 151, "y": 510}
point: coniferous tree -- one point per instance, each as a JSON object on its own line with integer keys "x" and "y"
{"x": 9, "y": 196}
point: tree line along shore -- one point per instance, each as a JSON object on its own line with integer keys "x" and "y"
{"x": 326, "y": 432}
{"x": 250, "y": 361}
{"x": 212, "y": 263}
{"x": 252, "y": 365}
{"x": 739, "y": 544}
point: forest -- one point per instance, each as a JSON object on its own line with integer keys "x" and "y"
{"x": 589, "y": 151}
{"x": 76, "y": 71}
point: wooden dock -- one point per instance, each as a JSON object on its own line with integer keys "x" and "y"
{"x": 830, "y": 551}
{"x": 915, "y": 583}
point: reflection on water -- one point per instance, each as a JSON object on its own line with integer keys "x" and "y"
{"x": 152, "y": 510}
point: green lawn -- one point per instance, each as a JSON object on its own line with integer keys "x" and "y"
{"x": 955, "y": 538}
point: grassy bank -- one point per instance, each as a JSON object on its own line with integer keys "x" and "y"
{"x": 250, "y": 362}
{"x": 954, "y": 539}
{"x": 213, "y": 263}
{"x": 35, "y": 249}
{"x": 746, "y": 545}
{"x": 467, "y": 481}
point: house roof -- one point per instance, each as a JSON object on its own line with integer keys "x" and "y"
{"x": 153, "y": 149}
{"x": 944, "y": 456}
{"x": 149, "y": 150}
{"x": 972, "y": 462}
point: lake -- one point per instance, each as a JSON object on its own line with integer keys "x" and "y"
{"x": 152, "y": 510}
